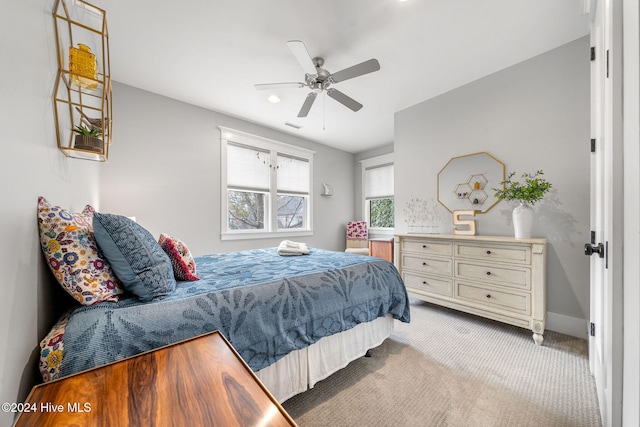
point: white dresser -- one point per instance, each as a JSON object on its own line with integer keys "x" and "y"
{"x": 501, "y": 278}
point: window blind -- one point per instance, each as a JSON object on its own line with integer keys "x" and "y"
{"x": 245, "y": 170}
{"x": 379, "y": 182}
{"x": 293, "y": 175}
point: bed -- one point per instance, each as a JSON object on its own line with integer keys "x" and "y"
{"x": 293, "y": 319}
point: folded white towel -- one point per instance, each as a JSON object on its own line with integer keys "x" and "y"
{"x": 289, "y": 248}
{"x": 293, "y": 245}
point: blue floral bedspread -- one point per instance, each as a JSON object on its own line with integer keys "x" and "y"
{"x": 266, "y": 305}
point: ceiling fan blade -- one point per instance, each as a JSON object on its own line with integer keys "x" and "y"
{"x": 308, "y": 102}
{"x": 357, "y": 70}
{"x": 269, "y": 86}
{"x": 344, "y": 99}
{"x": 301, "y": 53}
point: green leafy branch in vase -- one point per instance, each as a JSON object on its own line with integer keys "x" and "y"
{"x": 531, "y": 191}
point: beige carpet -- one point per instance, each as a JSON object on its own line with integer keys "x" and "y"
{"x": 448, "y": 368}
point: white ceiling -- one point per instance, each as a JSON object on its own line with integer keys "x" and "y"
{"x": 210, "y": 53}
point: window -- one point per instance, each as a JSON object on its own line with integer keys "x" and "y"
{"x": 377, "y": 183}
{"x": 293, "y": 192}
{"x": 266, "y": 187}
{"x": 247, "y": 188}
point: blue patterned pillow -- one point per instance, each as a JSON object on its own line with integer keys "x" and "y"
{"x": 137, "y": 259}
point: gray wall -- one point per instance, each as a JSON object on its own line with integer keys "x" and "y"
{"x": 32, "y": 166}
{"x": 534, "y": 115}
{"x": 164, "y": 169}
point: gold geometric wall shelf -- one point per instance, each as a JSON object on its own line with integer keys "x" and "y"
{"x": 83, "y": 92}
{"x": 464, "y": 182}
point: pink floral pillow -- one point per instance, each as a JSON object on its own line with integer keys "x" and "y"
{"x": 52, "y": 349}
{"x": 73, "y": 255}
{"x": 184, "y": 266}
{"x": 357, "y": 230}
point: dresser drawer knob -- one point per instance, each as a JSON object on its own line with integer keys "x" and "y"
{"x": 488, "y": 295}
{"x": 488, "y": 273}
{"x": 488, "y": 252}
{"x": 424, "y": 246}
{"x": 424, "y": 263}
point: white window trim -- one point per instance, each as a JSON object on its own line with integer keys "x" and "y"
{"x": 365, "y": 164}
{"x": 231, "y": 135}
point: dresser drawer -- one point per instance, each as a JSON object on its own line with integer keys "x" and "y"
{"x": 432, "y": 285}
{"x": 516, "y": 276}
{"x": 495, "y": 252}
{"x": 490, "y": 298}
{"x": 427, "y": 264}
{"x": 428, "y": 247}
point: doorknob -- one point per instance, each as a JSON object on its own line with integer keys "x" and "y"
{"x": 597, "y": 249}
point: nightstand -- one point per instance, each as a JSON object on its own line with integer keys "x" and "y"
{"x": 382, "y": 248}
{"x": 199, "y": 382}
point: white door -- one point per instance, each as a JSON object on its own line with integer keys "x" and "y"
{"x": 601, "y": 207}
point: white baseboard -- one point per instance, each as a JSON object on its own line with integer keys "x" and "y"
{"x": 568, "y": 325}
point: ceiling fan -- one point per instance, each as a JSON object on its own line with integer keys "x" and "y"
{"x": 318, "y": 79}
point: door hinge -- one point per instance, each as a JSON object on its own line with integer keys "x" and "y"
{"x": 593, "y": 237}
{"x": 593, "y": 53}
{"x": 607, "y": 59}
{"x": 593, "y": 145}
{"x": 592, "y": 329}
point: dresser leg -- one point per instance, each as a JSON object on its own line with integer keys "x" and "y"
{"x": 537, "y": 338}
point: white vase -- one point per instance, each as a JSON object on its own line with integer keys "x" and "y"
{"x": 523, "y": 221}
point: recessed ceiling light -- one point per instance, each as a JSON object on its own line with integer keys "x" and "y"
{"x": 273, "y": 98}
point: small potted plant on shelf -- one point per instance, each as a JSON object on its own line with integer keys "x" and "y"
{"x": 528, "y": 193}
{"x": 88, "y": 138}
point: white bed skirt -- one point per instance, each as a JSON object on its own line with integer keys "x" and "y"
{"x": 300, "y": 370}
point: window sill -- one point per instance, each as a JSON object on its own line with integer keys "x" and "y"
{"x": 381, "y": 232}
{"x": 265, "y": 235}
